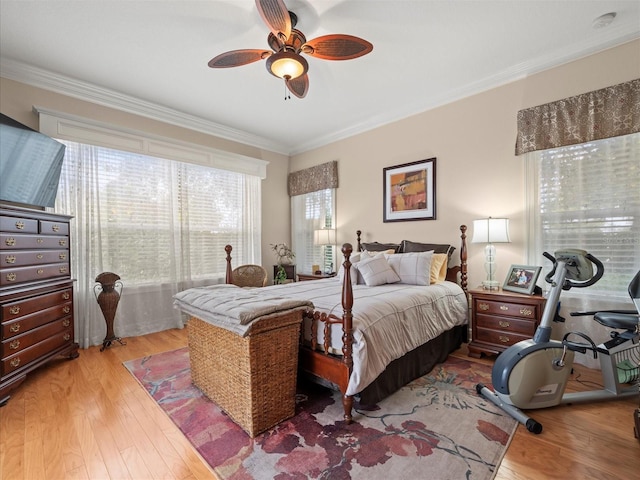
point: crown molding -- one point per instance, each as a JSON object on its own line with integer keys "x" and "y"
{"x": 36, "y": 77}
{"x": 517, "y": 72}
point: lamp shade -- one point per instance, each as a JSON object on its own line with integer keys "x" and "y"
{"x": 491, "y": 230}
{"x": 325, "y": 236}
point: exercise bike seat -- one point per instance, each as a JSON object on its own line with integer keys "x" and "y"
{"x": 627, "y": 320}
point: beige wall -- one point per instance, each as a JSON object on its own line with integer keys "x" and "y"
{"x": 473, "y": 139}
{"x": 17, "y": 101}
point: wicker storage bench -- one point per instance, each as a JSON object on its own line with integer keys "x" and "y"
{"x": 252, "y": 378}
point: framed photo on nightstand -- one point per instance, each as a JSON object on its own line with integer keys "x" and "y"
{"x": 522, "y": 279}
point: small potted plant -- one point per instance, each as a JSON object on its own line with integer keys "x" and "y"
{"x": 284, "y": 256}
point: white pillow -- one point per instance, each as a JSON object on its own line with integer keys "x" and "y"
{"x": 376, "y": 271}
{"x": 355, "y": 258}
{"x": 413, "y": 268}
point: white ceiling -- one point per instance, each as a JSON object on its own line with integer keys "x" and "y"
{"x": 150, "y": 57}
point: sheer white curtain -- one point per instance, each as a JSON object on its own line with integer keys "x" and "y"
{"x": 159, "y": 224}
{"x": 587, "y": 196}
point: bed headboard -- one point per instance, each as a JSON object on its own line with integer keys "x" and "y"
{"x": 455, "y": 273}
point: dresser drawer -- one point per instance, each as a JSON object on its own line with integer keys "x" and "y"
{"x": 54, "y": 228}
{"x": 506, "y": 324}
{"x": 32, "y": 257}
{"x": 35, "y": 352}
{"x": 24, "y": 324}
{"x": 504, "y": 339}
{"x": 19, "y": 225}
{"x": 496, "y": 307}
{"x": 25, "y": 340}
{"x": 11, "y": 276}
{"x": 13, "y": 310}
{"x": 36, "y": 242}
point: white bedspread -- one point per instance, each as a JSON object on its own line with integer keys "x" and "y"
{"x": 388, "y": 320}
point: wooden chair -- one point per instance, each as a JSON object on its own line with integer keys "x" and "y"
{"x": 249, "y": 276}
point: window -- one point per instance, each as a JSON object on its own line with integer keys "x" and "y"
{"x": 587, "y": 196}
{"x": 309, "y": 212}
{"x": 161, "y": 225}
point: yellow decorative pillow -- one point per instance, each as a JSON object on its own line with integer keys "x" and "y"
{"x": 438, "y": 272}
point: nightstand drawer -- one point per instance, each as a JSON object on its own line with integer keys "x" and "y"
{"x": 495, "y": 307}
{"x": 507, "y": 324}
{"x": 504, "y": 339}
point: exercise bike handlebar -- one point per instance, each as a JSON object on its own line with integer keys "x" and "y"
{"x": 568, "y": 283}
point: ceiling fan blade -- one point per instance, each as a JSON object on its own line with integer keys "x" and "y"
{"x": 276, "y": 16}
{"x": 298, "y": 86}
{"x": 337, "y": 47}
{"x": 236, "y": 58}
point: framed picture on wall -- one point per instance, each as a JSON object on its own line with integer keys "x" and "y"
{"x": 410, "y": 191}
{"x": 522, "y": 279}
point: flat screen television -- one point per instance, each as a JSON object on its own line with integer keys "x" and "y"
{"x": 30, "y": 165}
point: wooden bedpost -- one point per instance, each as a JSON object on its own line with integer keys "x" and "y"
{"x": 358, "y": 233}
{"x": 463, "y": 258}
{"x": 347, "y": 336}
{"x": 229, "y": 276}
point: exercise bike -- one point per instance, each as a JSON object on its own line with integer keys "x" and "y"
{"x": 534, "y": 373}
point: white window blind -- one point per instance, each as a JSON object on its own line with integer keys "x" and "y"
{"x": 587, "y": 196}
{"x": 309, "y": 212}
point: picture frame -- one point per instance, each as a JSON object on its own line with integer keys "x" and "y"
{"x": 522, "y": 279}
{"x": 409, "y": 191}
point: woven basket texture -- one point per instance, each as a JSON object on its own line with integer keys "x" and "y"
{"x": 249, "y": 276}
{"x": 252, "y": 378}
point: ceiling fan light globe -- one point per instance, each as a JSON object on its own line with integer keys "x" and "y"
{"x": 287, "y": 64}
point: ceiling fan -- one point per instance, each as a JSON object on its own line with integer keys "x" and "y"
{"x": 287, "y": 43}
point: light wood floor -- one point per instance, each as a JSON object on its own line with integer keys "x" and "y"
{"x": 88, "y": 418}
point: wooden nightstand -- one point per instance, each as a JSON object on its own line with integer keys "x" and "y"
{"x": 312, "y": 276}
{"x": 499, "y": 319}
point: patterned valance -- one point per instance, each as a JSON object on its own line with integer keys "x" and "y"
{"x": 313, "y": 179}
{"x": 610, "y": 112}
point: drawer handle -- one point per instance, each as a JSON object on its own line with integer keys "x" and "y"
{"x": 15, "y": 328}
{"x": 10, "y": 259}
{"x": 483, "y": 306}
{"x": 14, "y": 310}
{"x": 15, "y": 362}
{"x": 14, "y": 345}
{"x": 62, "y": 242}
{"x": 62, "y": 256}
{"x": 10, "y": 242}
{"x": 66, "y": 296}
{"x": 504, "y": 324}
{"x": 11, "y": 277}
{"x": 39, "y": 256}
{"x": 504, "y": 339}
{"x": 55, "y": 228}
{"x": 40, "y": 240}
{"x": 504, "y": 308}
{"x": 63, "y": 269}
{"x": 527, "y": 312}
{"x": 66, "y": 337}
{"x": 20, "y": 225}
{"x": 66, "y": 309}
{"x": 40, "y": 271}
{"x": 66, "y": 322}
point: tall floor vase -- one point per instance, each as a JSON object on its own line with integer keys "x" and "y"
{"x": 107, "y": 292}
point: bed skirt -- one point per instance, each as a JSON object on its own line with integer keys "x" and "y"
{"x": 413, "y": 365}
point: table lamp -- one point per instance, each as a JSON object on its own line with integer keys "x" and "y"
{"x": 490, "y": 231}
{"x": 327, "y": 238}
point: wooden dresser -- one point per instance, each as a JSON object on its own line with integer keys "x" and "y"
{"x": 36, "y": 293}
{"x": 499, "y": 319}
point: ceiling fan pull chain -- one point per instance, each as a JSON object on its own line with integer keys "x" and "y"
{"x": 287, "y": 95}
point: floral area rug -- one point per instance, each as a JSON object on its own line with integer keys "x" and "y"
{"x": 437, "y": 427}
